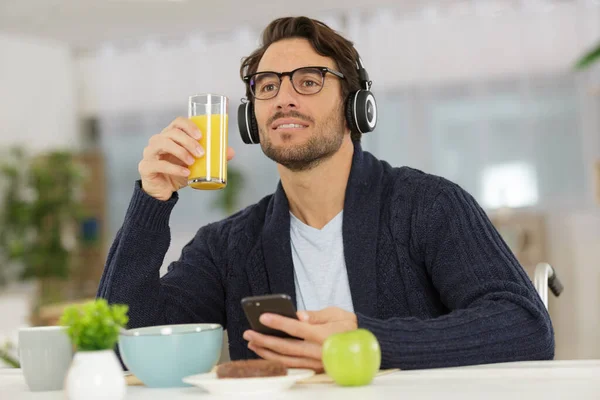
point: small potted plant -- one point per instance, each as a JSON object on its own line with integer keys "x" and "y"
{"x": 95, "y": 371}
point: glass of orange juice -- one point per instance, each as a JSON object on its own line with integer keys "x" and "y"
{"x": 209, "y": 113}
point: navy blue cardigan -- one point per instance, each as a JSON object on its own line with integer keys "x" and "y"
{"x": 429, "y": 275}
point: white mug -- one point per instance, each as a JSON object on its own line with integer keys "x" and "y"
{"x": 45, "y": 354}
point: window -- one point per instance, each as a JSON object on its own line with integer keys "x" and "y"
{"x": 510, "y": 142}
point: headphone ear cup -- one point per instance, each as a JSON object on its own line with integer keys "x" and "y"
{"x": 349, "y": 111}
{"x": 365, "y": 111}
{"x": 243, "y": 125}
{"x": 247, "y": 124}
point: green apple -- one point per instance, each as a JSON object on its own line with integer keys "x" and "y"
{"x": 352, "y": 358}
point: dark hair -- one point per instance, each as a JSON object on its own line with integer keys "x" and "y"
{"x": 323, "y": 39}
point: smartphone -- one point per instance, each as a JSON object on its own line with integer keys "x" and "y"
{"x": 280, "y": 304}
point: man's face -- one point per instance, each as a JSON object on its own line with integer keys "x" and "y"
{"x": 299, "y": 131}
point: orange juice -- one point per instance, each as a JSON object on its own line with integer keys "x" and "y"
{"x": 209, "y": 172}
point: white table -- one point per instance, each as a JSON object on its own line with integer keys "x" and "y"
{"x": 512, "y": 381}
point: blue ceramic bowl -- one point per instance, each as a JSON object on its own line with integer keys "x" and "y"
{"x": 160, "y": 356}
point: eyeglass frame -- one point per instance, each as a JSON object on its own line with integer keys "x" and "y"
{"x": 280, "y": 75}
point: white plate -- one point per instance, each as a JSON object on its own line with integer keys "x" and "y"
{"x": 238, "y": 386}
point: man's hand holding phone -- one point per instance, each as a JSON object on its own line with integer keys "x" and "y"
{"x": 304, "y": 334}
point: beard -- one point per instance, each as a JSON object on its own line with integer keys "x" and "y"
{"x": 325, "y": 141}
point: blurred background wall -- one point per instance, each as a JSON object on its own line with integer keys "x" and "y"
{"x": 481, "y": 92}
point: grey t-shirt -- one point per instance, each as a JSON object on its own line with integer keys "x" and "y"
{"x": 320, "y": 274}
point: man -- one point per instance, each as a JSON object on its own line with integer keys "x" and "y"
{"x": 355, "y": 243}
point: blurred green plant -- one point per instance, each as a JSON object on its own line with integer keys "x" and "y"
{"x": 40, "y": 210}
{"x": 228, "y": 199}
{"x": 95, "y": 325}
{"x": 589, "y": 58}
{"x": 7, "y": 357}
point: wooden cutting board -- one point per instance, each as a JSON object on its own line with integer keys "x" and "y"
{"x": 132, "y": 380}
{"x": 324, "y": 378}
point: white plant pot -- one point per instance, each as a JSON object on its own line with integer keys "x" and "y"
{"x": 95, "y": 375}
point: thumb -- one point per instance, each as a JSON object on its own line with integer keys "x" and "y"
{"x": 316, "y": 317}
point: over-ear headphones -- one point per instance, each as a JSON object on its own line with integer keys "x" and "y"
{"x": 360, "y": 111}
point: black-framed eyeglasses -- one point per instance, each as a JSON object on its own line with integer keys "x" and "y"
{"x": 265, "y": 85}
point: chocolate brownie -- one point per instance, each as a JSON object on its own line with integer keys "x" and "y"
{"x": 250, "y": 369}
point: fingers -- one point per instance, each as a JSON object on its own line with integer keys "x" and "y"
{"x": 293, "y": 327}
{"x": 165, "y": 144}
{"x": 329, "y": 314}
{"x": 290, "y": 362}
{"x": 175, "y": 148}
{"x": 290, "y": 347}
{"x": 151, "y": 167}
{"x": 176, "y": 140}
{"x": 173, "y": 160}
{"x": 230, "y": 153}
{"x": 303, "y": 316}
{"x": 187, "y": 126}
{"x": 184, "y": 140}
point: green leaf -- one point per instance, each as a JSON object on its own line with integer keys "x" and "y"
{"x": 7, "y": 358}
{"x": 37, "y": 205}
{"x": 228, "y": 198}
{"x": 95, "y": 325}
{"x": 589, "y": 58}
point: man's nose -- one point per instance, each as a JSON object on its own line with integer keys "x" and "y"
{"x": 287, "y": 96}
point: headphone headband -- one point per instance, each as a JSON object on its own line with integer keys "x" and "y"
{"x": 363, "y": 75}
